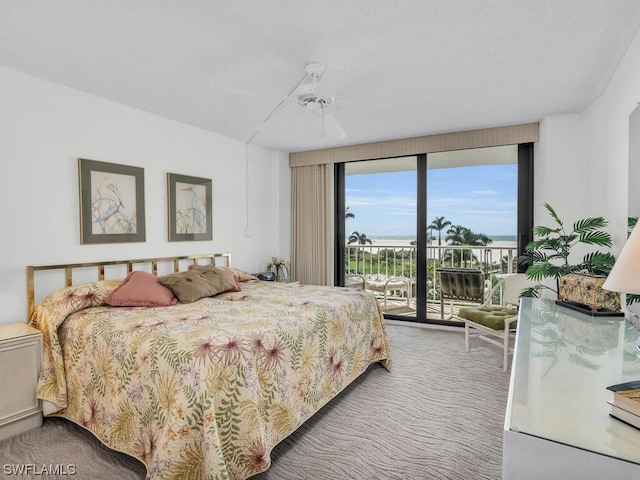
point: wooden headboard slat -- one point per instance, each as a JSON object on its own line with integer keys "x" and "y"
{"x": 153, "y": 262}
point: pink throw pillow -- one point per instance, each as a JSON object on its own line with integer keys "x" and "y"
{"x": 141, "y": 289}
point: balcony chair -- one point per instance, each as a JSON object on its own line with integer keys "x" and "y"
{"x": 381, "y": 284}
{"x": 497, "y": 321}
{"x": 465, "y": 284}
{"x": 355, "y": 280}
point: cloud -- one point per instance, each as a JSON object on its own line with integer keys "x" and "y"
{"x": 485, "y": 192}
{"x": 399, "y": 212}
{"x": 379, "y": 201}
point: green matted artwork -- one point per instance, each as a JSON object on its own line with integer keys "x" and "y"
{"x": 111, "y": 202}
{"x": 190, "y": 208}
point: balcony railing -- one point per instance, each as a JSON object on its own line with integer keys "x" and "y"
{"x": 400, "y": 261}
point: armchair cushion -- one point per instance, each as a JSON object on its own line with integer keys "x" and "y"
{"x": 492, "y": 317}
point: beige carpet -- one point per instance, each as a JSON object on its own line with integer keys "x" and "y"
{"x": 437, "y": 415}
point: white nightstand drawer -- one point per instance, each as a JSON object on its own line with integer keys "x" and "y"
{"x": 20, "y": 360}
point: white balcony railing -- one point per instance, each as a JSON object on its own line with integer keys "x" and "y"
{"x": 400, "y": 261}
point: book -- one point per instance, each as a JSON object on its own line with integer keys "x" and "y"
{"x": 627, "y": 396}
{"x": 625, "y": 416}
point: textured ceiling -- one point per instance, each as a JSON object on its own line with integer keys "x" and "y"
{"x": 418, "y": 67}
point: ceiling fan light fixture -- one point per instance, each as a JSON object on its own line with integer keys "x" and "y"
{"x": 306, "y": 96}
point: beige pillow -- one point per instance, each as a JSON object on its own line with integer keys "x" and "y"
{"x": 242, "y": 276}
{"x": 198, "y": 283}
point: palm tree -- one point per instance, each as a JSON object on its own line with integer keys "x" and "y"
{"x": 459, "y": 235}
{"x": 456, "y": 234}
{"x": 475, "y": 239}
{"x": 348, "y": 214}
{"x": 439, "y": 224}
{"x": 360, "y": 238}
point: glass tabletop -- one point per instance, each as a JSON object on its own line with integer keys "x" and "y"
{"x": 563, "y": 362}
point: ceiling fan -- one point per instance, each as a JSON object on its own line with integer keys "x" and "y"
{"x": 311, "y": 95}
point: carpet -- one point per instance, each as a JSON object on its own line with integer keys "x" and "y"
{"x": 438, "y": 414}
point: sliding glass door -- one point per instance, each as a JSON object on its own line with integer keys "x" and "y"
{"x": 380, "y": 216}
{"x": 401, "y": 219}
{"x": 472, "y": 217}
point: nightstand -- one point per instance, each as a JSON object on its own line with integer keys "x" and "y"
{"x": 20, "y": 359}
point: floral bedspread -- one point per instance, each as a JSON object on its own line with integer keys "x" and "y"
{"x": 204, "y": 390}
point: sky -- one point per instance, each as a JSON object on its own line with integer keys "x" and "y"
{"x": 481, "y": 198}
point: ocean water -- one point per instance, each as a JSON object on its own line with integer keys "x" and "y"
{"x": 402, "y": 240}
{"x": 499, "y": 242}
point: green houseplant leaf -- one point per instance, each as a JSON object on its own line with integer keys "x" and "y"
{"x": 547, "y": 256}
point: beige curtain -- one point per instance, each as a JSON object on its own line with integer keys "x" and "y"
{"x": 312, "y": 224}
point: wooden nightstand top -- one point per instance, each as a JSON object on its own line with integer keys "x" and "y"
{"x": 16, "y": 330}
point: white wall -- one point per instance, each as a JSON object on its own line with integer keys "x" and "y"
{"x": 581, "y": 160}
{"x": 45, "y": 127}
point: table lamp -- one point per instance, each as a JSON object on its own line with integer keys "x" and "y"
{"x": 625, "y": 274}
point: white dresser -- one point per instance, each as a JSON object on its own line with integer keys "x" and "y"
{"x": 557, "y": 422}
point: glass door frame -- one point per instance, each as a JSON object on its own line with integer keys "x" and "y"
{"x": 524, "y": 226}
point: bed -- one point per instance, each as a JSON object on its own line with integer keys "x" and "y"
{"x": 204, "y": 389}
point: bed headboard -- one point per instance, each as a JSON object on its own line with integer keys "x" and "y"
{"x": 147, "y": 264}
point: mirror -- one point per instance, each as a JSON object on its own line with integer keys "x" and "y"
{"x": 633, "y": 206}
{"x": 634, "y": 163}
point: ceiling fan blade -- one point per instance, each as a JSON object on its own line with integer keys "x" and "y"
{"x": 286, "y": 106}
{"x": 365, "y": 103}
{"x": 333, "y": 80}
{"x": 314, "y": 93}
{"x": 331, "y": 128}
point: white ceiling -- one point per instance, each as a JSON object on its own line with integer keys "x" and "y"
{"x": 419, "y": 66}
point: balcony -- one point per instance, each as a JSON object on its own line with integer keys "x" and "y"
{"x": 392, "y": 261}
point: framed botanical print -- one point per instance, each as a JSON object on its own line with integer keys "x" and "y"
{"x": 111, "y": 202}
{"x": 190, "y": 206}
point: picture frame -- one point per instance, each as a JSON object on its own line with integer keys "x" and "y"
{"x": 112, "y": 208}
{"x": 190, "y": 208}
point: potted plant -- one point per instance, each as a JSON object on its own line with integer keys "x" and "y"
{"x": 547, "y": 256}
{"x": 280, "y": 267}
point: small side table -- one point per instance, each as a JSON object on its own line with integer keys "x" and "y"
{"x": 20, "y": 360}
